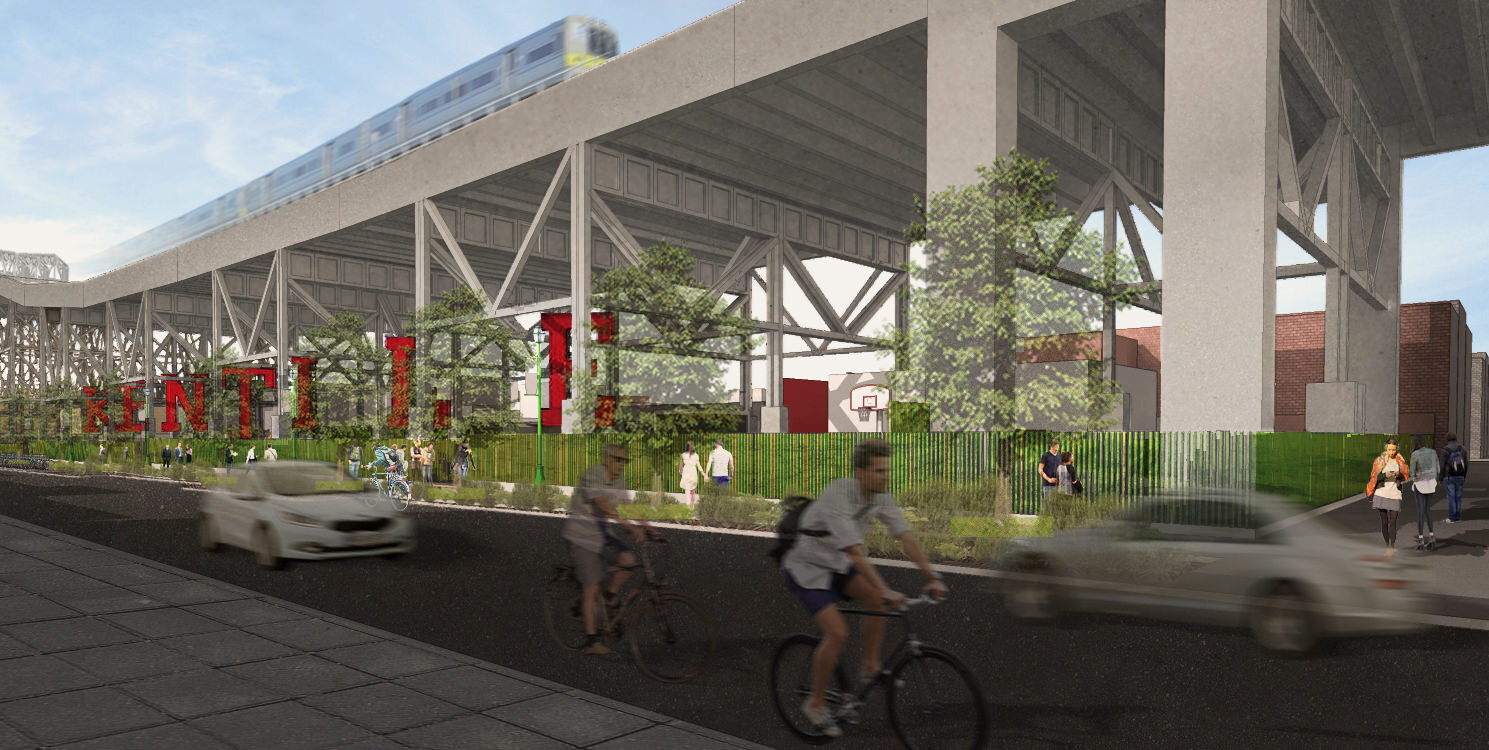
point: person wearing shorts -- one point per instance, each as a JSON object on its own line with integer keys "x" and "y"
{"x": 593, "y": 548}
{"x": 828, "y": 564}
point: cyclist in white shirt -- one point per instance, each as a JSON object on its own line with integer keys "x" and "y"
{"x": 823, "y": 569}
{"x": 720, "y": 464}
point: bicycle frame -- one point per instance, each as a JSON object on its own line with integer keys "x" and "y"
{"x": 909, "y": 647}
{"x": 648, "y": 580}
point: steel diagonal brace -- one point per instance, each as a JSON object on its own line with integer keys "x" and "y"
{"x": 535, "y": 231}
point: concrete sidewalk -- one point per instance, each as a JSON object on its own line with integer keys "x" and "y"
{"x": 1459, "y": 567}
{"x": 104, "y": 650}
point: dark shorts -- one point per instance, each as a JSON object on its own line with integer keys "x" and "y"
{"x": 721, "y": 480}
{"x": 815, "y": 599}
{"x": 590, "y": 566}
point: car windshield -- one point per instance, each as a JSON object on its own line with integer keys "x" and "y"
{"x": 308, "y": 480}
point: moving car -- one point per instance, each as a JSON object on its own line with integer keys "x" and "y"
{"x": 300, "y": 510}
{"x": 1219, "y": 557}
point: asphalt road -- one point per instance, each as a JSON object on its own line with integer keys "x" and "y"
{"x": 475, "y": 586}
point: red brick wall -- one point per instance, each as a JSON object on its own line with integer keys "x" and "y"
{"x": 1425, "y": 361}
{"x": 1299, "y": 361}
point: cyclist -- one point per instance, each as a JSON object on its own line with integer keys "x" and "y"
{"x": 587, "y": 535}
{"x": 386, "y": 458}
{"x": 831, "y": 565}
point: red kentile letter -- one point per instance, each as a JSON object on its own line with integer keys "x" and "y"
{"x": 98, "y": 406}
{"x": 304, "y": 382}
{"x": 245, "y": 376}
{"x": 401, "y": 347}
{"x": 442, "y": 414}
{"x": 196, "y": 406}
{"x": 127, "y": 424}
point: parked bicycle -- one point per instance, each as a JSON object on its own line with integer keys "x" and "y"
{"x": 394, "y": 488}
{"x": 671, "y": 636}
{"x": 933, "y": 699}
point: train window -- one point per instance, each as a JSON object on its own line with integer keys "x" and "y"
{"x": 475, "y": 83}
{"x": 382, "y": 130}
{"x": 346, "y": 148}
{"x": 428, "y": 107}
{"x": 544, "y": 51}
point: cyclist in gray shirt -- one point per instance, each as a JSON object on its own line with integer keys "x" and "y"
{"x": 823, "y": 569}
{"x": 592, "y": 547}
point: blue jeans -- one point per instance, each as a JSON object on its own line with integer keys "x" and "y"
{"x": 1455, "y": 495}
{"x": 352, "y": 467}
{"x": 1424, "y": 510}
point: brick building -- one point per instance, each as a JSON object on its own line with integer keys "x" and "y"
{"x": 1443, "y": 385}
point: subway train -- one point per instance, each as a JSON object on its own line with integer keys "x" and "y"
{"x": 515, "y": 72}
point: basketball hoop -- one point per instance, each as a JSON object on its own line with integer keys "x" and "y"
{"x": 863, "y": 415}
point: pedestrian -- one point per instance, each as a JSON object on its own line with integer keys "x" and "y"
{"x": 101, "y": 451}
{"x": 179, "y": 453}
{"x": 251, "y": 457}
{"x": 1049, "y": 468}
{"x": 1064, "y": 475}
{"x": 227, "y": 454}
{"x": 165, "y": 457}
{"x": 1424, "y": 484}
{"x": 690, "y": 467}
{"x": 354, "y": 459}
{"x": 269, "y": 453}
{"x": 190, "y": 456}
{"x": 426, "y": 462}
{"x": 720, "y": 464}
{"x": 464, "y": 461}
{"x": 1386, "y": 475}
{"x": 1454, "y": 473}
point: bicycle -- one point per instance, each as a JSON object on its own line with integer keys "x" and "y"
{"x": 660, "y": 628}
{"x": 395, "y": 489}
{"x": 958, "y": 720}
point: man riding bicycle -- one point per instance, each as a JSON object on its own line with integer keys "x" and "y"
{"x": 587, "y": 535}
{"x": 828, "y": 564}
{"x": 388, "y": 459}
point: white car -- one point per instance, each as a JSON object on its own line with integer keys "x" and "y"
{"x": 1219, "y": 557}
{"x": 300, "y": 510}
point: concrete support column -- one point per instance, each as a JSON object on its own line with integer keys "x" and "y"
{"x": 282, "y": 341}
{"x": 146, "y": 337}
{"x": 1220, "y": 214}
{"x": 1373, "y": 337}
{"x": 774, "y": 417}
{"x": 746, "y": 365}
{"x": 972, "y": 76}
{"x": 216, "y": 339}
{"x": 44, "y": 348}
{"x": 581, "y": 268}
{"x": 64, "y": 344}
{"x": 12, "y": 332}
{"x": 422, "y": 279}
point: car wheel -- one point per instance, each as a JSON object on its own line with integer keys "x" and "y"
{"x": 266, "y": 549}
{"x": 1030, "y": 596}
{"x": 1282, "y": 622}
{"x": 204, "y": 534}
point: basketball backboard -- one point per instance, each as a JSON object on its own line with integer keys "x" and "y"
{"x": 871, "y": 397}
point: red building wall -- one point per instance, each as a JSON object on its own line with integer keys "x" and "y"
{"x": 806, "y": 404}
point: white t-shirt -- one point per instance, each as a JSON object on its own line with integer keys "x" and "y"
{"x": 270, "y": 454}
{"x": 841, "y": 511}
{"x": 718, "y": 462}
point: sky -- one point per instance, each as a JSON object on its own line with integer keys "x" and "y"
{"x": 117, "y": 117}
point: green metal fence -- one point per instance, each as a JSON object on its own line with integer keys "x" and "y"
{"x": 1312, "y": 468}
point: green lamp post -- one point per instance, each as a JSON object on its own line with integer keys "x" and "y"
{"x": 540, "y": 337}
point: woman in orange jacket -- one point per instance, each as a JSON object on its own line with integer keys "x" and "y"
{"x": 1384, "y": 491}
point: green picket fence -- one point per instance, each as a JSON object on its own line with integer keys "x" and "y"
{"x": 1313, "y": 469}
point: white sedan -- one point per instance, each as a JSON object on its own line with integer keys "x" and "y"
{"x": 300, "y": 510}
{"x": 1224, "y": 558}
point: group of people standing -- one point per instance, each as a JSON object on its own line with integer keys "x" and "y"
{"x": 720, "y": 468}
{"x": 1390, "y": 473}
{"x": 420, "y": 455}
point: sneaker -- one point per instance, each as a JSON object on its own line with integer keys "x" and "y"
{"x": 1448, "y": 520}
{"x": 596, "y": 648}
{"x": 821, "y": 719}
{"x": 1390, "y": 551}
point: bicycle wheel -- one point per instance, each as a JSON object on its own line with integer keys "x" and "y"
{"x": 791, "y": 684}
{"x": 672, "y": 637}
{"x": 401, "y": 494}
{"x": 936, "y": 704}
{"x": 561, "y": 610}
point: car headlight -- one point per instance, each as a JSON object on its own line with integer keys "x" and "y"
{"x": 295, "y": 519}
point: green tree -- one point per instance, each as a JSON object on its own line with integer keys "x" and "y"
{"x": 971, "y": 308}
{"x": 350, "y": 373}
{"x": 672, "y": 346}
{"x": 466, "y": 357}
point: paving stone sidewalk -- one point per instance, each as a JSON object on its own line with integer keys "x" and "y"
{"x": 102, "y": 650}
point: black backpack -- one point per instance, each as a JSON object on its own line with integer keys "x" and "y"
{"x": 786, "y": 529}
{"x": 1456, "y": 467}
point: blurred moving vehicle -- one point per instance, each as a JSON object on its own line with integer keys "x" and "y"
{"x": 1219, "y": 557}
{"x": 300, "y": 510}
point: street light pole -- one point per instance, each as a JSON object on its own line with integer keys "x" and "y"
{"x": 539, "y": 337}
